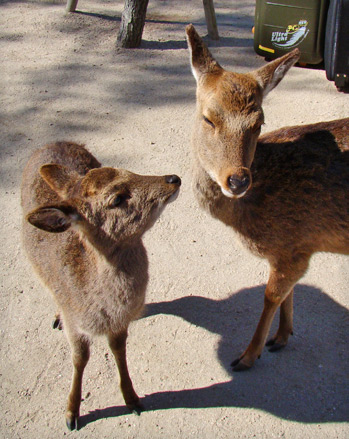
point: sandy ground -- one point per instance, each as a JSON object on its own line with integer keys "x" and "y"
{"x": 63, "y": 78}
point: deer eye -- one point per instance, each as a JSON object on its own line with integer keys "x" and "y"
{"x": 116, "y": 201}
{"x": 208, "y": 121}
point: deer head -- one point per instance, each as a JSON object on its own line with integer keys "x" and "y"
{"x": 229, "y": 114}
{"x": 107, "y": 205}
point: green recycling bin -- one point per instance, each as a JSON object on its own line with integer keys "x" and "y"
{"x": 281, "y": 26}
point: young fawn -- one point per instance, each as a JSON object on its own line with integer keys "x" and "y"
{"x": 286, "y": 195}
{"x": 97, "y": 270}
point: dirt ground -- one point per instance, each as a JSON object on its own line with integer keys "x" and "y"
{"x": 63, "y": 78}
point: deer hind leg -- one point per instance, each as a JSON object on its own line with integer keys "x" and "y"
{"x": 80, "y": 345}
{"x": 117, "y": 343}
{"x": 280, "y": 339}
{"x": 279, "y": 287}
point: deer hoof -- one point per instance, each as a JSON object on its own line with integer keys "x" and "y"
{"x": 276, "y": 343}
{"x": 72, "y": 422}
{"x": 57, "y": 323}
{"x": 136, "y": 408}
{"x": 274, "y": 346}
{"x": 239, "y": 366}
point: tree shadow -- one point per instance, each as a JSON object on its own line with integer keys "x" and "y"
{"x": 305, "y": 382}
{"x": 164, "y": 45}
{"x": 106, "y": 17}
{"x": 182, "y": 44}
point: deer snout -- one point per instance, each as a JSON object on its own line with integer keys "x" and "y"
{"x": 173, "y": 190}
{"x": 173, "y": 179}
{"x": 238, "y": 185}
{"x": 235, "y": 182}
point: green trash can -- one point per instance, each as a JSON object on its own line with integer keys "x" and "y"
{"x": 281, "y": 26}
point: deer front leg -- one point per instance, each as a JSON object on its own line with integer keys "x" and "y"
{"x": 117, "y": 343}
{"x": 278, "y": 288}
{"x": 80, "y": 356}
{"x": 279, "y": 340}
{"x": 282, "y": 279}
{"x": 254, "y": 350}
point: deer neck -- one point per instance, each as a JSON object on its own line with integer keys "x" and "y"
{"x": 238, "y": 213}
{"x": 228, "y": 210}
{"x": 107, "y": 252}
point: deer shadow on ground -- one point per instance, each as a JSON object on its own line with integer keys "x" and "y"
{"x": 305, "y": 382}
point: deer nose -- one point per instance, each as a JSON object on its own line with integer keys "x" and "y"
{"x": 173, "y": 179}
{"x": 237, "y": 184}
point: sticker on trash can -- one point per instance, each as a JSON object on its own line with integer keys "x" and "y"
{"x": 292, "y": 37}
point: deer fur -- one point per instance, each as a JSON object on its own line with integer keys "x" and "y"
{"x": 286, "y": 193}
{"x": 93, "y": 261}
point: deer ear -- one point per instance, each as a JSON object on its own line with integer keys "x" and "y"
{"x": 270, "y": 75}
{"x": 201, "y": 60}
{"x": 55, "y": 219}
{"x": 59, "y": 178}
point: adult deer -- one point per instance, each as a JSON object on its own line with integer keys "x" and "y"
{"x": 285, "y": 193}
{"x": 97, "y": 270}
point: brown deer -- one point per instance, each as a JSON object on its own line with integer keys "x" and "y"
{"x": 93, "y": 260}
{"x": 286, "y": 194}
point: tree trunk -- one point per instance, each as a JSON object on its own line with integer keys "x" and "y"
{"x": 211, "y": 22}
{"x": 132, "y": 23}
{"x": 71, "y": 5}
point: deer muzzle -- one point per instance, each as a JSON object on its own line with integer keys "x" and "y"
{"x": 235, "y": 183}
